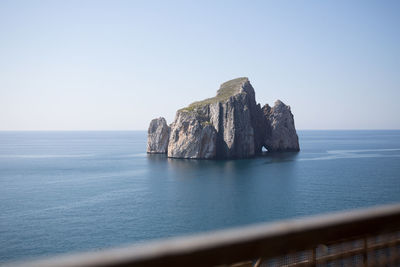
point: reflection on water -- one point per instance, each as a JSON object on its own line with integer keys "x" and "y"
{"x": 280, "y": 157}
{"x": 250, "y": 168}
{"x": 229, "y": 164}
{"x": 156, "y": 157}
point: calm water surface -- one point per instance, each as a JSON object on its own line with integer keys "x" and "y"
{"x": 73, "y": 191}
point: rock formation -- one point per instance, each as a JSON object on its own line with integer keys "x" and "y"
{"x": 229, "y": 125}
{"x": 192, "y": 137}
{"x": 281, "y": 134}
{"x": 158, "y": 136}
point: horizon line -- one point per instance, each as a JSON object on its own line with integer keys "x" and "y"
{"x": 142, "y": 130}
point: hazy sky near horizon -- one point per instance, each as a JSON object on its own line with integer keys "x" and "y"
{"x": 115, "y": 65}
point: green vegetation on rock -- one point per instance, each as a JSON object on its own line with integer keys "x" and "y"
{"x": 226, "y": 90}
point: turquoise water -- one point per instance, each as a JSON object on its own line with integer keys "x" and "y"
{"x": 77, "y": 191}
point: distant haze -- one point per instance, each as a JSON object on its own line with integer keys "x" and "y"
{"x": 115, "y": 65}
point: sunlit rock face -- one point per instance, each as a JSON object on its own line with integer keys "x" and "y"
{"x": 281, "y": 134}
{"x": 229, "y": 125}
{"x": 158, "y": 136}
{"x": 192, "y": 138}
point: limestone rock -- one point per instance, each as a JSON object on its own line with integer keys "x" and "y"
{"x": 281, "y": 135}
{"x": 192, "y": 137}
{"x": 236, "y": 128}
{"x": 229, "y": 125}
{"x": 158, "y": 136}
{"x": 229, "y": 114}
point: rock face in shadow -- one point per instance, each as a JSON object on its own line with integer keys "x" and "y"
{"x": 229, "y": 125}
{"x": 158, "y": 136}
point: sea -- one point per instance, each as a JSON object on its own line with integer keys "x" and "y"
{"x": 66, "y": 192}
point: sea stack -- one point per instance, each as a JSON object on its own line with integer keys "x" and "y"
{"x": 229, "y": 125}
{"x": 158, "y": 135}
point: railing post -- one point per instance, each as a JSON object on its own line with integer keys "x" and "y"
{"x": 365, "y": 252}
{"x": 313, "y": 257}
{"x": 258, "y": 262}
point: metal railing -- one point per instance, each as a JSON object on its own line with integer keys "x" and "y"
{"x": 368, "y": 237}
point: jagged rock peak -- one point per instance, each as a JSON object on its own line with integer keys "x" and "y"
{"x": 281, "y": 135}
{"x": 158, "y": 136}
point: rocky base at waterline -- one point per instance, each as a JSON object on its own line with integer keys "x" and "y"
{"x": 229, "y": 125}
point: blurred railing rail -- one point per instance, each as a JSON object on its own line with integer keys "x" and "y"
{"x": 368, "y": 237}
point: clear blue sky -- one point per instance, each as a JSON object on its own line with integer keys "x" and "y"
{"x": 115, "y": 65}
